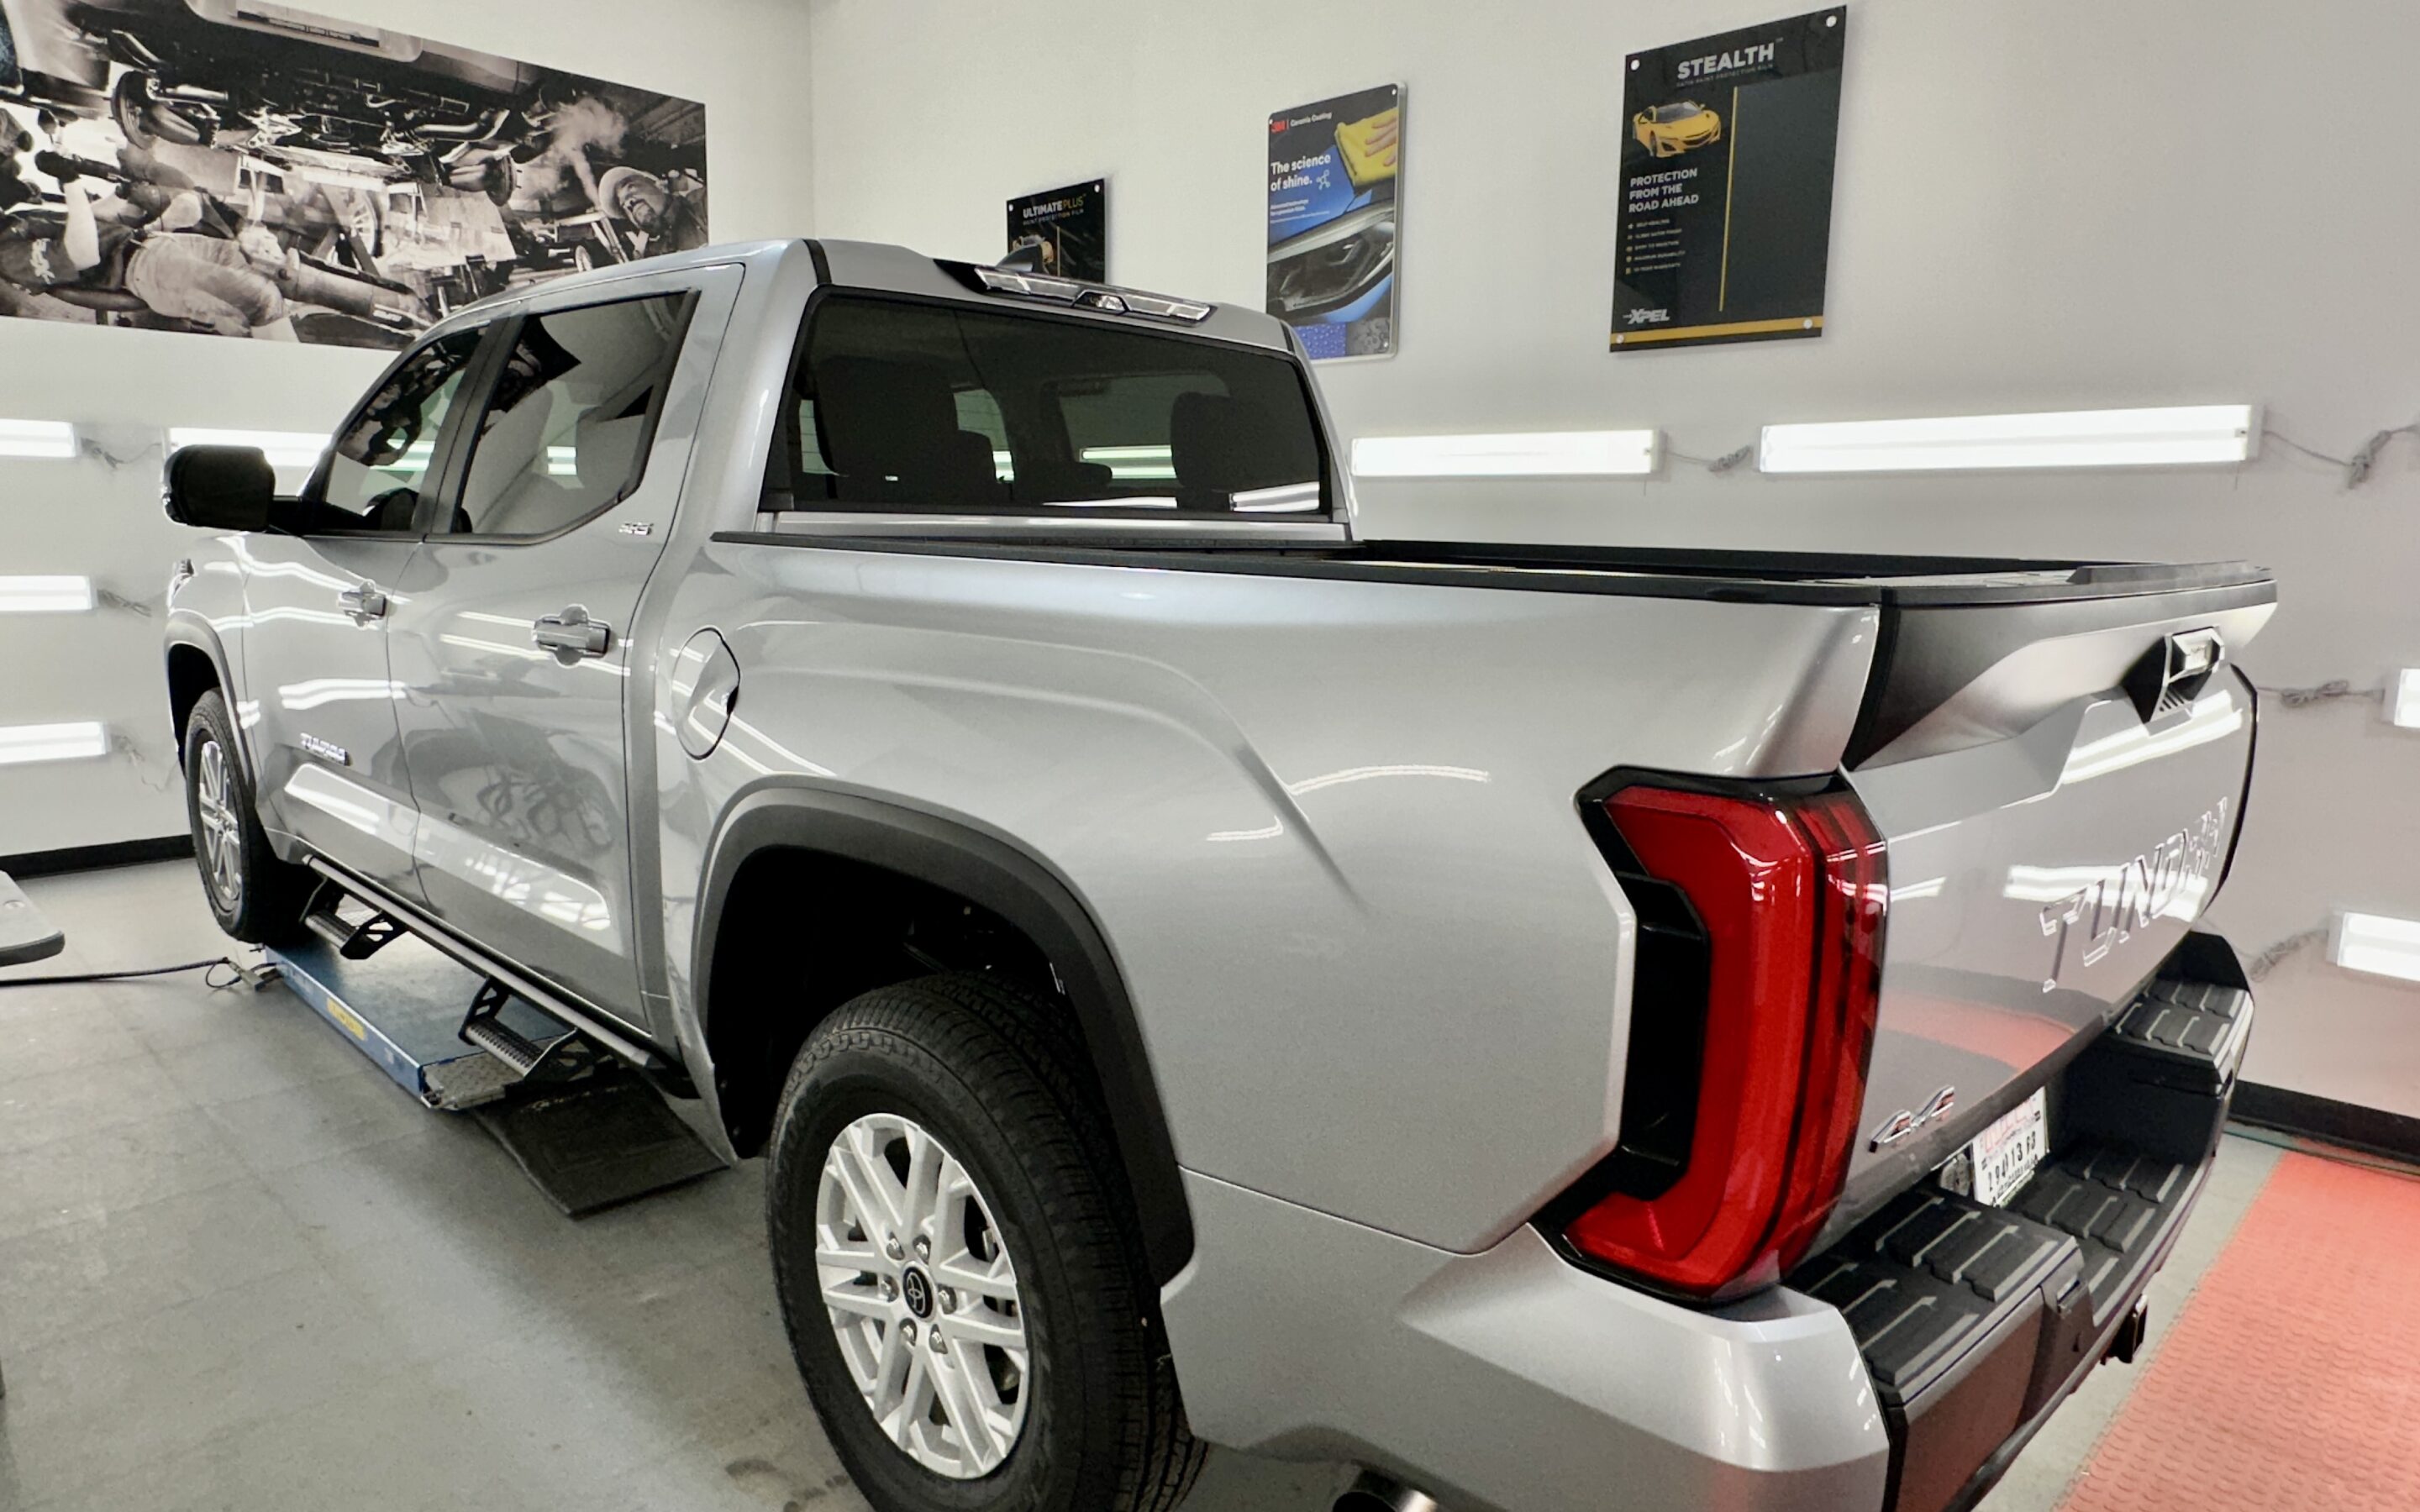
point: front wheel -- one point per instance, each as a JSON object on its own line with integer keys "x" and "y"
{"x": 256, "y": 896}
{"x": 960, "y": 1273}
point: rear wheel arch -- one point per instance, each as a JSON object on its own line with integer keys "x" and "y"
{"x": 892, "y": 857}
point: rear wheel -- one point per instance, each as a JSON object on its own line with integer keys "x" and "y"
{"x": 256, "y": 898}
{"x": 961, "y": 1277}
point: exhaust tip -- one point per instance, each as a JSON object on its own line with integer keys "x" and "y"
{"x": 1374, "y": 1493}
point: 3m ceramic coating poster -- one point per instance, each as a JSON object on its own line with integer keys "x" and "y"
{"x": 1725, "y": 222}
{"x": 1064, "y": 232}
{"x": 1333, "y": 168}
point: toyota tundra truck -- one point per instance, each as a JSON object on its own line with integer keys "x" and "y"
{"x": 1554, "y": 1027}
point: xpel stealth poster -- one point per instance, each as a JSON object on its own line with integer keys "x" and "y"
{"x": 1725, "y": 218}
{"x": 1333, "y": 168}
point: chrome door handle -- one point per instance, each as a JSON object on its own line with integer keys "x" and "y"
{"x": 363, "y": 603}
{"x": 571, "y": 635}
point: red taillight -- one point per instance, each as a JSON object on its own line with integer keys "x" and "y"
{"x": 1790, "y": 893}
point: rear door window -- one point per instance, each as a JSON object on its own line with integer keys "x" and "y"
{"x": 901, "y": 406}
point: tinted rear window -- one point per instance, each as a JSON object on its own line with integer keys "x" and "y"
{"x": 899, "y": 406}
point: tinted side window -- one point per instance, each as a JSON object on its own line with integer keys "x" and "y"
{"x": 950, "y": 409}
{"x": 381, "y": 458}
{"x": 567, "y": 431}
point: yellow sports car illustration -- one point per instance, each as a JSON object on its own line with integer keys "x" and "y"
{"x": 1668, "y": 130}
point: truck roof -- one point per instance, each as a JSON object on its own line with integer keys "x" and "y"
{"x": 878, "y": 265}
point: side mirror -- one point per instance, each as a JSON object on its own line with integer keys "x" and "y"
{"x": 220, "y": 487}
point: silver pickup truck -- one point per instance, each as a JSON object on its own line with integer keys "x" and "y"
{"x": 1554, "y": 1027}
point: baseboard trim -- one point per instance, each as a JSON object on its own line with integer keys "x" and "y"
{"x": 2374, "y": 1131}
{"x": 93, "y": 857}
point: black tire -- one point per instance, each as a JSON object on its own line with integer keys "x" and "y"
{"x": 984, "y": 1065}
{"x": 263, "y": 903}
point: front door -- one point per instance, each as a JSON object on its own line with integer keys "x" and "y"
{"x": 318, "y": 596}
{"x": 511, "y": 643}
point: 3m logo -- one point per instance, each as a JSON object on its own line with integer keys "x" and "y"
{"x": 2135, "y": 896}
{"x": 1647, "y": 317}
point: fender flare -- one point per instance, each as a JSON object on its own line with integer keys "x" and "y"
{"x": 192, "y": 630}
{"x": 1020, "y": 888}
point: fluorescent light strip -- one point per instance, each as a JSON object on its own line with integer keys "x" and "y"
{"x": 23, "y": 743}
{"x": 2181, "y": 435}
{"x": 45, "y": 595}
{"x": 48, "y": 440}
{"x": 1128, "y": 464}
{"x": 284, "y": 448}
{"x": 2403, "y": 699}
{"x": 1551, "y": 453}
{"x": 2377, "y": 944}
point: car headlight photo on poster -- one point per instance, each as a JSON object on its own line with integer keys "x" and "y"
{"x": 1334, "y": 168}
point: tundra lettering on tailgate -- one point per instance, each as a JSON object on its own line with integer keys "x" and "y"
{"x": 2135, "y": 894}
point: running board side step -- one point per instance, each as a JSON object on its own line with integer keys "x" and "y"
{"x": 560, "y": 1058}
{"x": 586, "y": 1023}
{"x": 354, "y": 942}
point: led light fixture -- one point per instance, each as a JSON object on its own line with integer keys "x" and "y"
{"x": 2377, "y": 944}
{"x": 51, "y": 440}
{"x": 1554, "y": 454}
{"x": 21, "y": 742}
{"x": 45, "y": 595}
{"x": 2181, "y": 435}
{"x": 2403, "y": 699}
{"x": 284, "y": 448}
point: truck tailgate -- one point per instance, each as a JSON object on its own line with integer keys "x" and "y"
{"x": 2059, "y": 784}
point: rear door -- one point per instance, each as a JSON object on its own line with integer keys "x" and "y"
{"x": 2055, "y": 825}
{"x": 319, "y": 596}
{"x": 512, "y": 638}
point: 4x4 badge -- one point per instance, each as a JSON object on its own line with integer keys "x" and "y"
{"x": 1902, "y": 1124}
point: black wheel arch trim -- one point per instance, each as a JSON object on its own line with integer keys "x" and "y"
{"x": 192, "y": 632}
{"x": 1020, "y": 888}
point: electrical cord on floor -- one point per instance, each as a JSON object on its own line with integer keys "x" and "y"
{"x": 238, "y": 975}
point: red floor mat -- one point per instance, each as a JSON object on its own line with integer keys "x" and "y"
{"x": 2292, "y": 1379}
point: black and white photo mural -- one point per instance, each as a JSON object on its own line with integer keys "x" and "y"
{"x": 253, "y": 170}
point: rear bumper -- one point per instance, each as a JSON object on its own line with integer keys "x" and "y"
{"x": 1511, "y": 1380}
{"x": 1977, "y": 1323}
{"x": 1902, "y": 1369}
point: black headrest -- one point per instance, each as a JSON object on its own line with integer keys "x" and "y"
{"x": 1221, "y": 445}
{"x": 879, "y": 418}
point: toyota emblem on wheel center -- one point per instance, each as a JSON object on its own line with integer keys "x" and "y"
{"x": 918, "y": 1292}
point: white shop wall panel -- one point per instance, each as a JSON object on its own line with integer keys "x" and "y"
{"x": 2053, "y": 204}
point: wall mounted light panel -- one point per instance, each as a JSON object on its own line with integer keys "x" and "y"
{"x": 1559, "y": 453}
{"x": 24, "y": 743}
{"x": 47, "y": 595}
{"x": 2178, "y": 436}
{"x": 48, "y": 440}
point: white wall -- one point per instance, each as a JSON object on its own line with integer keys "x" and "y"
{"x": 2041, "y": 205}
{"x": 746, "y": 59}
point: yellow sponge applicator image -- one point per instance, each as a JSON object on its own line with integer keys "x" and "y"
{"x": 1370, "y": 148}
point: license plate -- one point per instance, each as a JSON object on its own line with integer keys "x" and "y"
{"x": 2005, "y": 1156}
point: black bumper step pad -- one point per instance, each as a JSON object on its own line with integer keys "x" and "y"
{"x": 2110, "y": 1202}
{"x": 1928, "y": 1276}
{"x": 2200, "y": 1025}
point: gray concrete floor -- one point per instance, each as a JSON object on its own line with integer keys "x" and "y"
{"x": 240, "y": 1269}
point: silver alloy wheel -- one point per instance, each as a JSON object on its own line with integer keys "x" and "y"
{"x": 221, "y": 836}
{"x": 923, "y": 1296}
